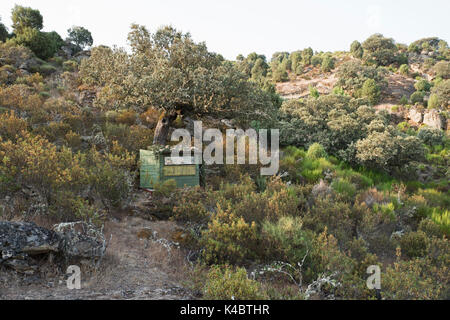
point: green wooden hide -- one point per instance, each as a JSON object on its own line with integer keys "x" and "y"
{"x": 157, "y": 167}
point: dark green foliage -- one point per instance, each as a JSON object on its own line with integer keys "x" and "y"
{"x": 356, "y": 49}
{"x": 43, "y": 44}
{"x": 422, "y": 85}
{"x": 379, "y": 50}
{"x": 80, "y": 36}
{"x": 442, "y": 92}
{"x": 417, "y": 97}
{"x": 371, "y": 91}
{"x": 25, "y": 17}
{"x": 430, "y": 136}
{"x": 327, "y": 63}
{"x": 3, "y": 32}
{"x": 353, "y": 74}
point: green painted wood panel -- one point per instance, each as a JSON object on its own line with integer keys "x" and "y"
{"x": 152, "y": 170}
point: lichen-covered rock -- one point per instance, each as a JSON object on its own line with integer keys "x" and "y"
{"x": 81, "y": 240}
{"x": 21, "y": 242}
{"x": 433, "y": 119}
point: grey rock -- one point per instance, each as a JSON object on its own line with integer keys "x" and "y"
{"x": 433, "y": 119}
{"x": 415, "y": 115}
{"x": 20, "y": 242}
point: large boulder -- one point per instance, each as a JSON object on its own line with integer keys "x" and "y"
{"x": 22, "y": 242}
{"x": 415, "y": 115}
{"x": 433, "y": 119}
{"x": 81, "y": 240}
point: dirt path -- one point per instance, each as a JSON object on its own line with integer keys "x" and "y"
{"x": 132, "y": 268}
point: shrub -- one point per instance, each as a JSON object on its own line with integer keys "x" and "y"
{"x": 165, "y": 189}
{"x": 327, "y": 63}
{"x": 286, "y": 240}
{"x": 404, "y": 69}
{"x": 70, "y": 65}
{"x": 193, "y": 205}
{"x": 228, "y": 283}
{"x": 48, "y": 170}
{"x": 43, "y": 44}
{"x": 344, "y": 187}
{"x": 417, "y": 97}
{"x": 433, "y": 102}
{"x": 316, "y": 151}
{"x": 228, "y": 239}
{"x": 422, "y": 85}
{"x": 126, "y": 117}
{"x": 379, "y": 50}
{"x": 414, "y": 244}
{"x": 47, "y": 69}
{"x": 442, "y": 92}
{"x": 316, "y": 60}
{"x": 332, "y": 215}
{"x": 356, "y": 49}
{"x": 353, "y": 74}
{"x": 111, "y": 178}
{"x": 431, "y": 228}
{"x": 431, "y": 136}
{"x": 442, "y": 69}
{"x": 371, "y": 91}
{"x": 442, "y": 218}
{"x": 405, "y": 281}
{"x": 313, "y": 92}
{"x": 11, "y": 125}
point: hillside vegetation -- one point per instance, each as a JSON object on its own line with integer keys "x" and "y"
{"x": 362, "y": 181}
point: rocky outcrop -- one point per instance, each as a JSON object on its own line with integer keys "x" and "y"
{"x": 22, "y": 242}
{"x": 434, "y": 119}
{"x": 415, "y": 115}
{"x": 431, "y": 118}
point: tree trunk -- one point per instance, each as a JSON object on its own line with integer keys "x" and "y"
{"x": 162, "y": 128}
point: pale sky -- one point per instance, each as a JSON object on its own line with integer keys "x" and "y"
{"x": 231, "y": 27}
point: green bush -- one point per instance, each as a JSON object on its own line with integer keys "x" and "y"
{"x": 70, "y": 65}
{"x": 356, "y": 49}
{"x": 327, "y": 63}
{"x": 344, "y": 187}
{"x": 43, "y": 44}
{"x": 414, "y": 244}
{"x": 433, "y": 102}
{"x": 442, "y": 218}
{"x": 228, "y": 239}
{"x": 379, "y": 50}
{"x": 228, "y": 283}
{"x": 417, "y": 97}
{"x": 316, "y": 60}
{"x": 165, "y": 189}
{"x": 422, "y": 85}
{"x": 404, "y": 69}
{"x": 286, "y": 240}
{"x": 316, "y": 151}
{"x": 371, "y": 91}
{"x": 431, "y": 136}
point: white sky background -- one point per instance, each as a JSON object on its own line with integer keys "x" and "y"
{"x": 231, "y": 27}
